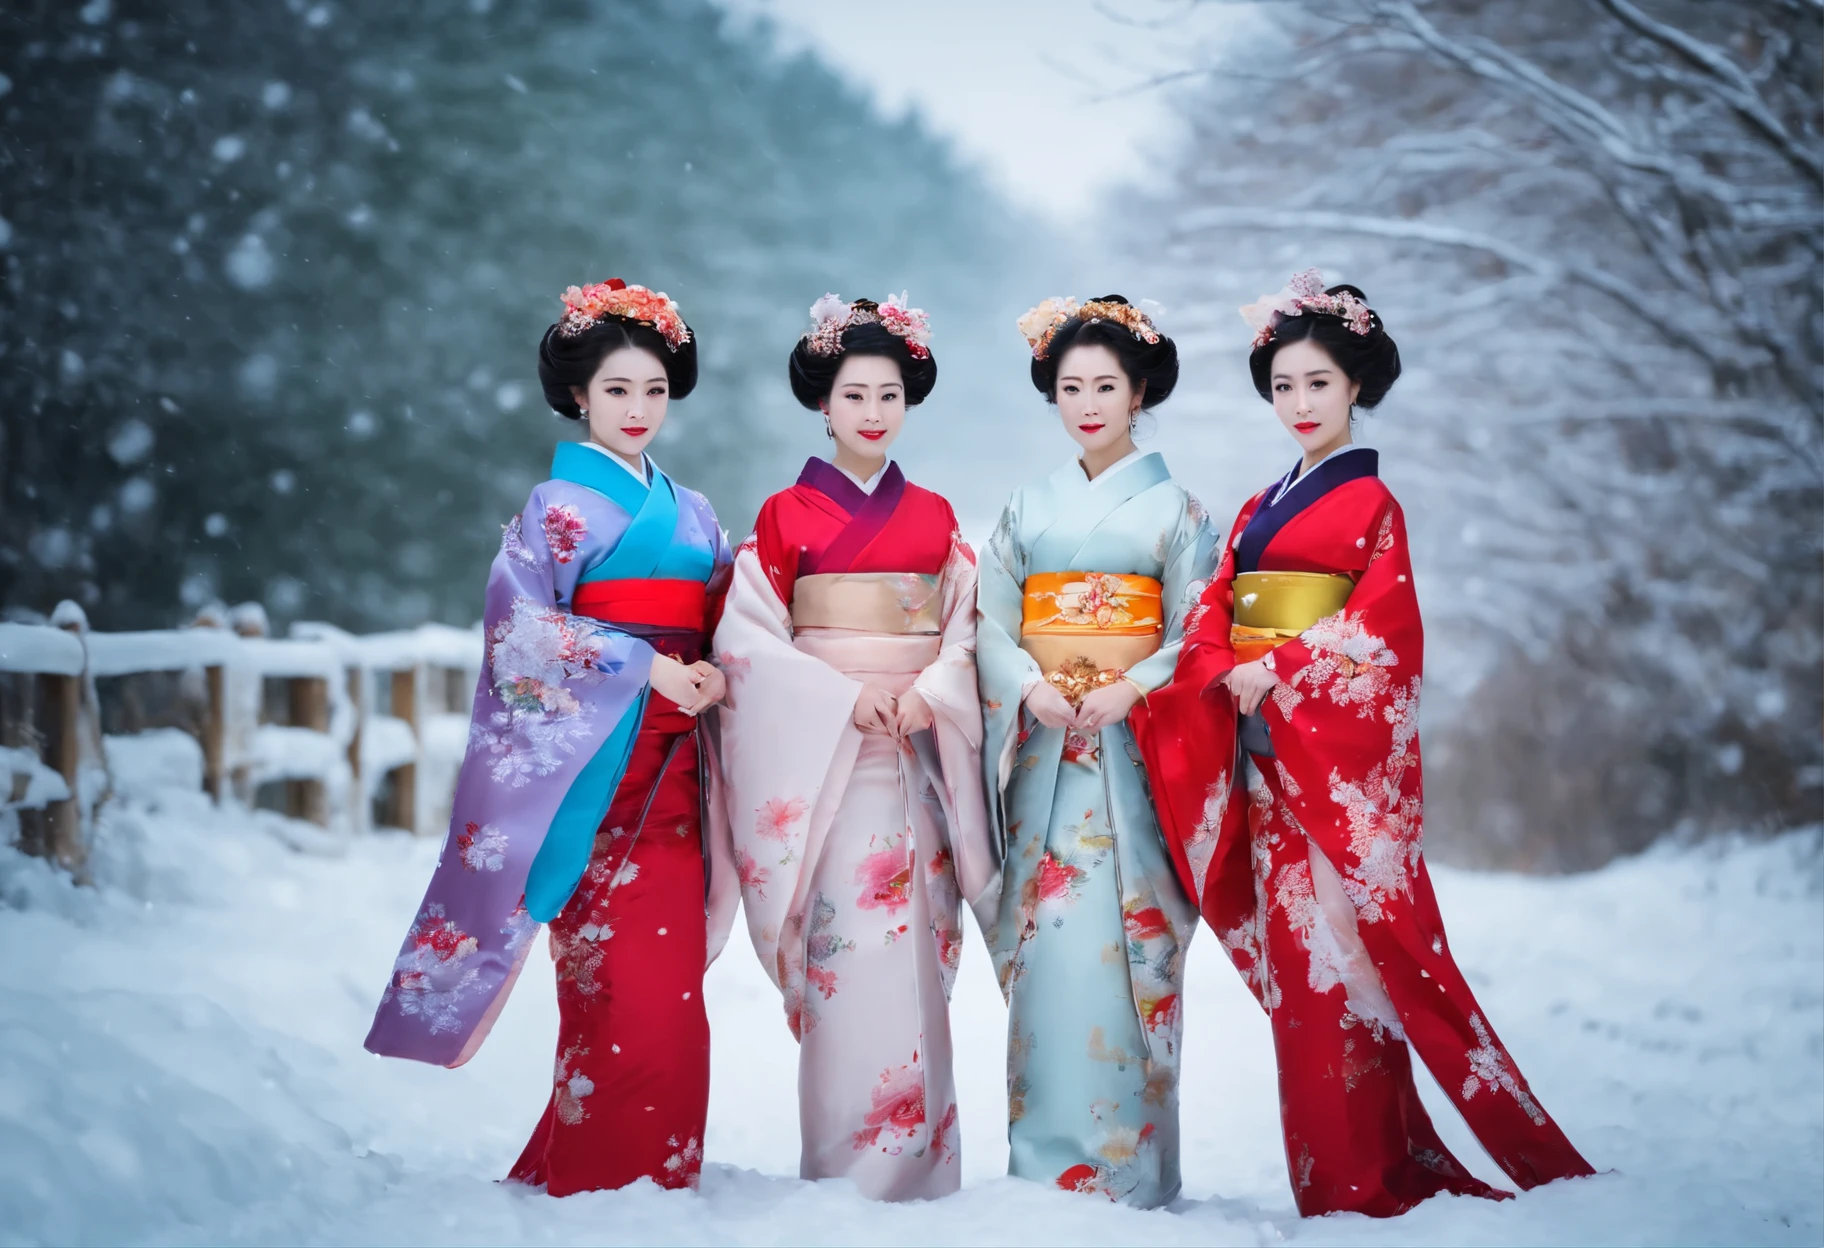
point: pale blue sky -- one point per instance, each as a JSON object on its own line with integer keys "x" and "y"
{"x": 1038, "y": 93}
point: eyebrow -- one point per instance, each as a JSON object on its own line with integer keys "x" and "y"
{"x": 1098, "y": 377}
{"x": 868, "y": 385}
{"x": 651, "y": 381}
{"x": 1309, "y": 372}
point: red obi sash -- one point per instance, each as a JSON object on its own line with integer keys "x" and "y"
{"x": 671, "y": 614}
{"x": 667, "y": 604}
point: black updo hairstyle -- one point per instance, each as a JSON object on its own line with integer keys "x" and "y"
{"x": 1371, "y": 359}
{"x": 814, "y": 376}
{"x": 565, "y": 361}
{"x": 1153, "y": 364}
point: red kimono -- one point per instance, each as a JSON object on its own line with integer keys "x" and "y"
{"x": 1306, "y": 862}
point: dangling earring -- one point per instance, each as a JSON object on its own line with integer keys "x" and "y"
{"x": 584, "y": 411}
{"x": 829, "y": 431}
{"x": 1133, "y": 421}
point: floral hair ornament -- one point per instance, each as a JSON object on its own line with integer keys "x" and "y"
{"x": 830, "y": 315}
{"x": 1305, "y": 293}
{"x": 1041, "y": 324}
{"x": 586, "y": 306}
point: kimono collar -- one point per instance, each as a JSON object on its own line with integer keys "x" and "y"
{"x": 1293, "y": 478}
{"x": 868, "y": 486}
{"x": 1293, "y": 494}
{"x": 1100, "y": 479}
{"x": 576, "y": 463}
{"x": 643, "y": 474}
{"x": 840, "y": 488}
{"x": 1140, "y": 471}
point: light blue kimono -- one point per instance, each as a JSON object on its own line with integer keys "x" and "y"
{"x": 1091, "y": 925}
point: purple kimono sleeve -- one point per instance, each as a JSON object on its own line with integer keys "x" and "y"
{"x": 553, "y": 686}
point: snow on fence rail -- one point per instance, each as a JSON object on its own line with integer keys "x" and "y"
{"x": 337, "y": 730}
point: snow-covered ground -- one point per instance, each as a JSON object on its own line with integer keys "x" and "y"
{"x": 180, "y": 1061}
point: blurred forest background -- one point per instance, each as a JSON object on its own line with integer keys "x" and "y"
{"x": 274, "y": 276}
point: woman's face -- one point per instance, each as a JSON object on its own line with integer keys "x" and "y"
{"x": 1095, "y": 397}
{"x": 625, "y": 401}
{"x": 1312, "y": 396}
{"x": 867, "y": 405}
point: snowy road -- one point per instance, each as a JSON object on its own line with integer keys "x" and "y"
{"x": 180, "y": 1061}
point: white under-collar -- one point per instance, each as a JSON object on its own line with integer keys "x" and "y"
{"x": 866, "y": 487}
{"x": 642, "y": 474}
{"x": 1096, "y": 481}
{"x": 1295, "y": 476}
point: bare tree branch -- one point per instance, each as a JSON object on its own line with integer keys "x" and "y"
{"x": 1730, "y": 81}
{"x": 1673, "y": 328}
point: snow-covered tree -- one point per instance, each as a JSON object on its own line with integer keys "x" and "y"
{"x": 1594, "y": 227}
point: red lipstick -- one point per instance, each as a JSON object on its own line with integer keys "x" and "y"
{"x": 872, "y": 435}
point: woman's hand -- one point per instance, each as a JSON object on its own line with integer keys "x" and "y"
{"x": 1050, "y": 707}
{"x": 1250, "y": 683}
{"x": 874, "y": 710}
{"x": 913, "y": 714}
{"x": 1107, "y": 705}
{"x": 712, "y": 686}
{"x": 675, "y": 681}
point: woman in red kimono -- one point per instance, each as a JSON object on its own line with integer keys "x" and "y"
{"x": 851, "y": 744}
{"x": 1285, "y": 755}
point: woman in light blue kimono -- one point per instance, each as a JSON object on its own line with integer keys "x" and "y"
{"x": 1081, "y": 611}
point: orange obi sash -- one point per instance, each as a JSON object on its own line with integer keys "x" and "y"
{"x": 678, "y": 605}
{"x": 1271, "y": 608}
{"x": 1085, "y": 629}
{"x": 869, "y": 602}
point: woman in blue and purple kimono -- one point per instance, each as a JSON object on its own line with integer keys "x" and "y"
{"x": 580, "y": 802}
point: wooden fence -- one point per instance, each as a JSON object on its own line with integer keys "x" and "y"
{"x": 341, "y": 731}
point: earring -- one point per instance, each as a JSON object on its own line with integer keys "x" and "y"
{"x": 1133, "y": 421}
{"x": 584, "y": 411}
{"x": 829, "y": 430}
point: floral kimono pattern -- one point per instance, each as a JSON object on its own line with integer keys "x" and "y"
{"x": 1307, "y": 862}
{"x": 850, "y": 846}
{"x": 580, "y": 785}
{"x": 1090, "y": 924}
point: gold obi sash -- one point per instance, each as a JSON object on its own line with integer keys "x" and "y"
{"x": 869, "y": 602}
{"x": 1084, "y": 629}
{"x": 1271, "y": 608}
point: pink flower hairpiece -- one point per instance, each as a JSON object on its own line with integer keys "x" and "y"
{"x": 1041, "y": 324}
{"x": 585, "y": 306}
{"x": 830, "y": 315}
{"x": 1305, "y": 293}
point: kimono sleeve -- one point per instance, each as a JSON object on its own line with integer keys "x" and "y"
{"x": 535, "y": 780}
{"x": 1208, "y": 654}
{"x": 949, "y": 686}
{"x": 1005, "y": 673}
{"x": 1189, "y": 560}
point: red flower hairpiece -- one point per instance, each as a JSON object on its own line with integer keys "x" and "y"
{"x": 585, "y": 306}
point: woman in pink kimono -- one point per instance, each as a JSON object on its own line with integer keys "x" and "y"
{"x": 851, "y": 744}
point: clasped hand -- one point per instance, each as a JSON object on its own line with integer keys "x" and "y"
{"x": 876, "y": 710}
{"x": 695, "y": 687}
{"x": 1250, "y": 683}
{"x": 1100, "y": 707}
